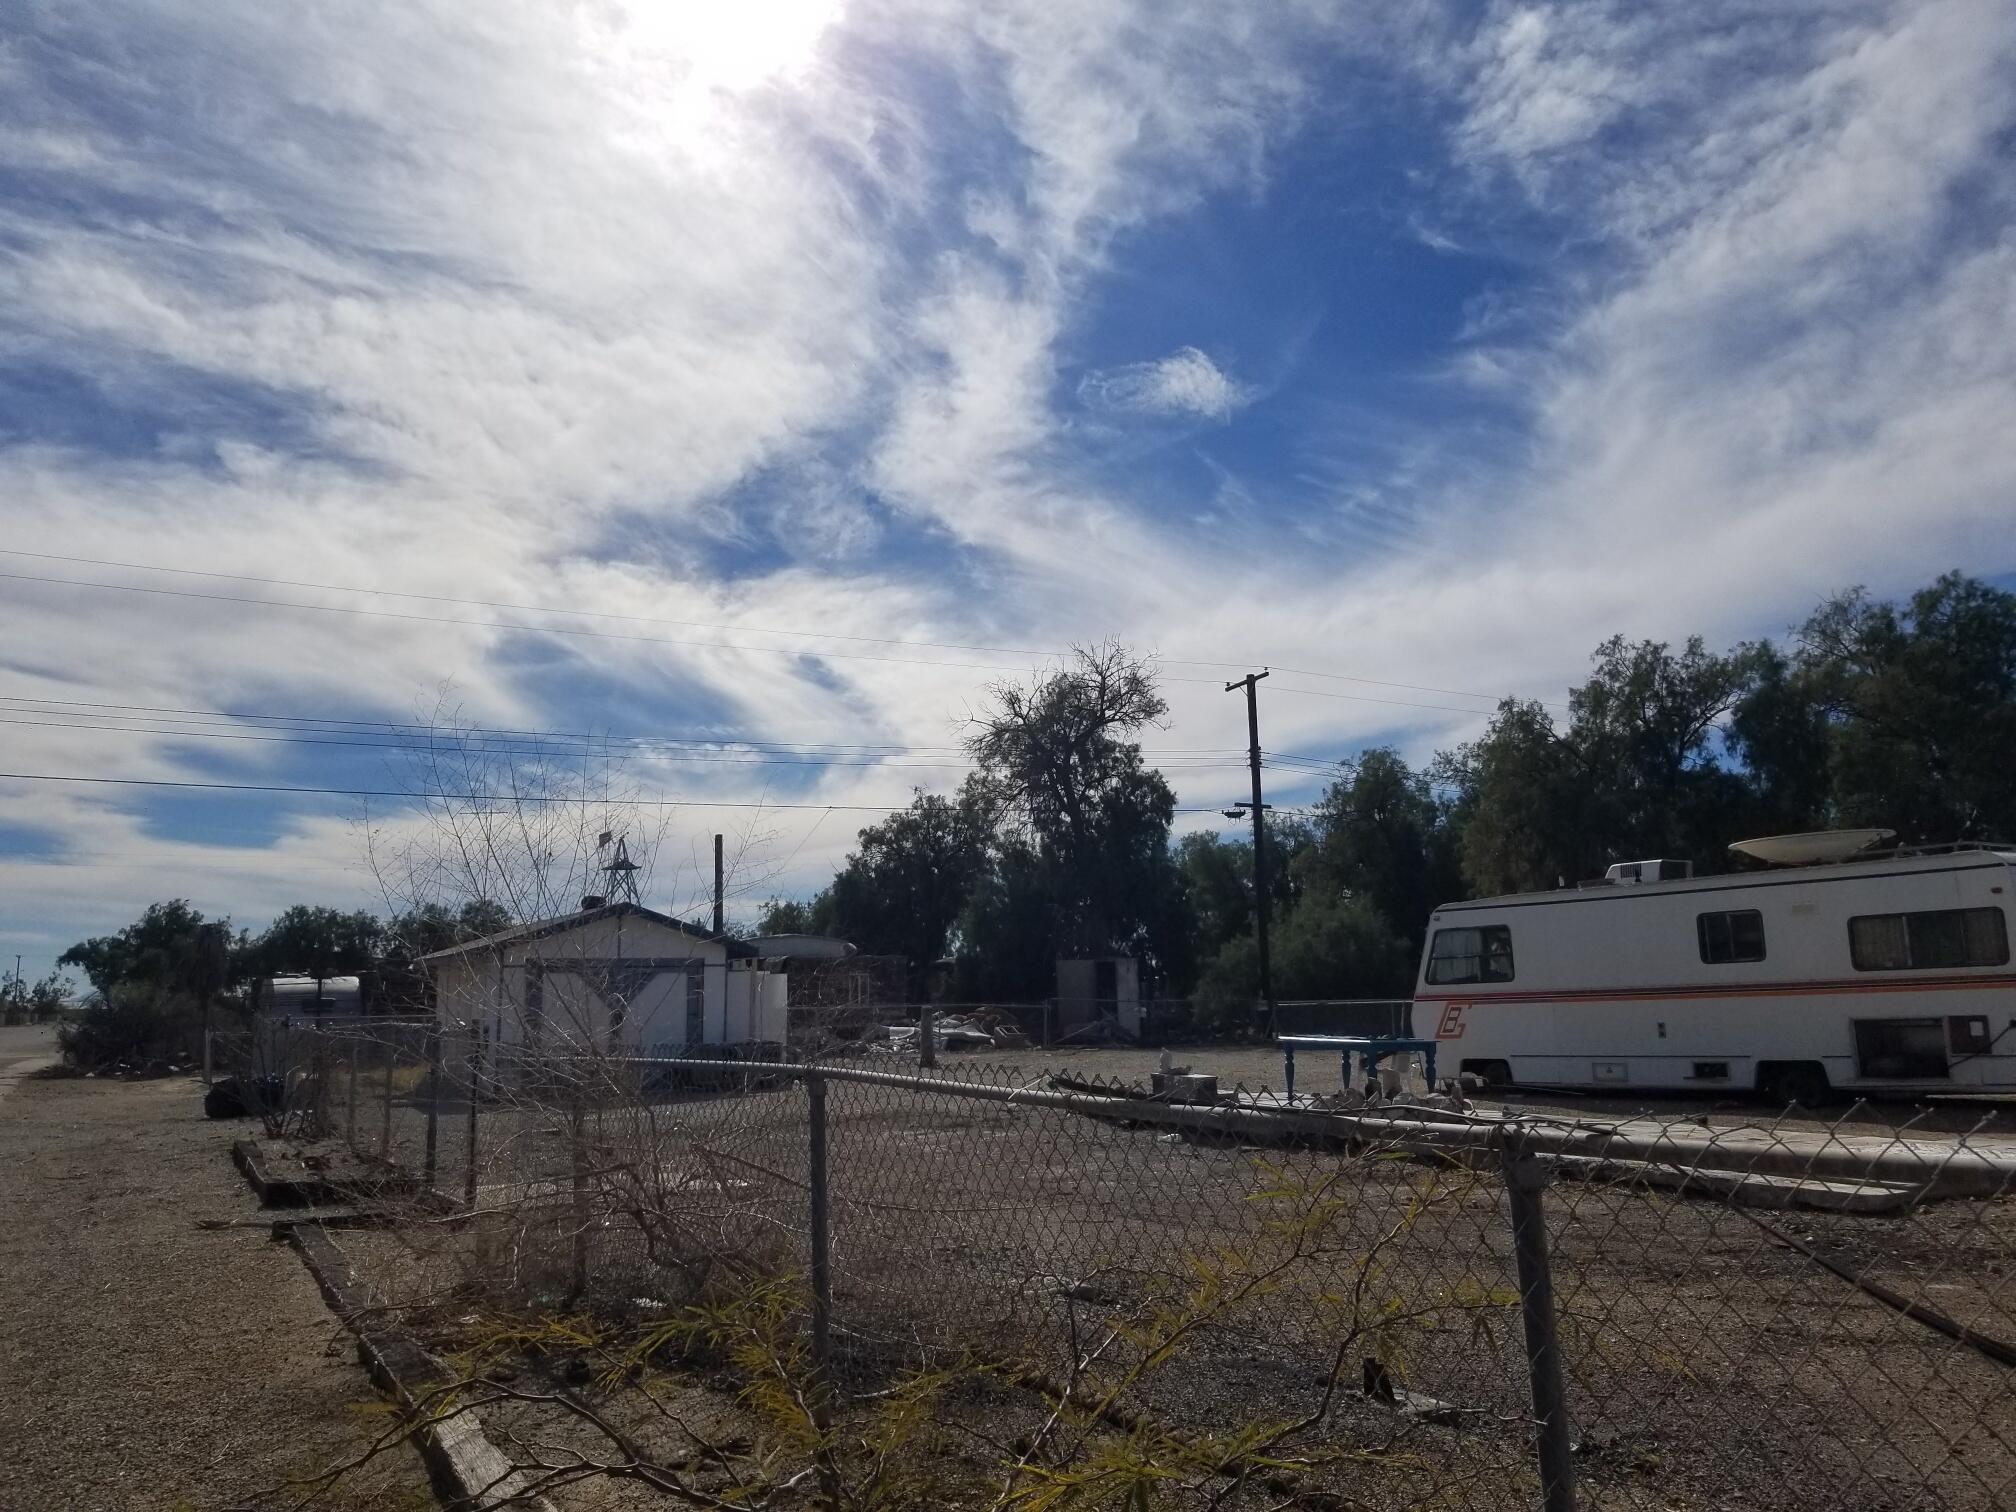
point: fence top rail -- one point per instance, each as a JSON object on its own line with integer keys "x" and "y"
{"x": 1392, "y": 1002}
{"x": 1413, "y": 1125}
{"x": 1448, "y": 1131}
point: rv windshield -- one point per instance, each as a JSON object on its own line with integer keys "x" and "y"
{"x": 1456, "y": 956}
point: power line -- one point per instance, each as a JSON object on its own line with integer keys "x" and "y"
{"x": 795, "y": 759}
{"x": 506, "y": 798}
{"x": 805, "y": 759}
{"x": 314, "y": 723}
{"x": 646, "y": 619}
{"x": 1356, "y": 697}
{"x": 474, "y": 624}
{"x": 475, "y": 603}
{"x": 421, "y": 737}
{"x": 657, "y": 640}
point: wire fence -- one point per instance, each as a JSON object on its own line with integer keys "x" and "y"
{"x": 1413, "y": 1303}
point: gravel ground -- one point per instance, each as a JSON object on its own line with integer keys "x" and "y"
{"x": 1703, "y": 1355}
{"x": 149, "y": 1363}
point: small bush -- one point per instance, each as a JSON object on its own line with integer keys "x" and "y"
{"x": 133, "y": 1029}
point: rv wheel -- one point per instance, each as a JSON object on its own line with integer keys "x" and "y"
{"x": 1788, "y": 1082}
{"x": 1492, "y": 1073}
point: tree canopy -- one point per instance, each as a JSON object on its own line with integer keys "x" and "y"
{"x": 1061, "y": 840}
{"x": 1888, "y": 714}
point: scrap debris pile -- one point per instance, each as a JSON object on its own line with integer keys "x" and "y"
{"x": 963, "y": 1031}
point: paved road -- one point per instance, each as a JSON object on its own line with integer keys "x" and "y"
{"x": 23, "y": 1047}
{"x": 149, "y": 1363}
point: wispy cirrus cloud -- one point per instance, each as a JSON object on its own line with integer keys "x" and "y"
{"x": 1186, "y": 382}
{"x": 769, "y": 322}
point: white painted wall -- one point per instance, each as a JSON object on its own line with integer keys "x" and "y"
{"x": 487, "y": 988}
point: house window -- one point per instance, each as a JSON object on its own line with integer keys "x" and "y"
{"x": 1936, "y": 938}
{"x": 1734, "y": 936}
{"x": 1456, "y": 956}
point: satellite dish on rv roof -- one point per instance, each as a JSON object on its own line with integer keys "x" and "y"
{"x": 1812, "y": 848}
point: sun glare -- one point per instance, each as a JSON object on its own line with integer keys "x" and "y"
{"x": 703, "y": 46}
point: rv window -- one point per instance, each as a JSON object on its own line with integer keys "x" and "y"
{"x": 1734, "y": 936}
{"x": 1456, "y": 956}
{"x": 1938, "y": 937}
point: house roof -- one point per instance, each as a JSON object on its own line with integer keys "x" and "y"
{"x": 539, "y": 929}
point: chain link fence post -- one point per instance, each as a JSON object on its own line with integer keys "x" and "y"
{"x": 475, "y": 1095}
{"x": 1525, "y": 1181}
{"x": 431, "y": 1151}
{"x": 356, "y": 1051}
{"x": 577, "y": 1175}
{"x": 389, "y": 1048}
{"x": 927, "y": 1037}
{"x": 822, "y": 1285}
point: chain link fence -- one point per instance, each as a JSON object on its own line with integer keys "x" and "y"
{"x": 1241, "y": 1302}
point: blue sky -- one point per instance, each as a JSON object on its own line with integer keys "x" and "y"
{"x": 755, "y": 356}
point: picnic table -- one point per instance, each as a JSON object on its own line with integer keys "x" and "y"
{"x": 1373, "y": 1048}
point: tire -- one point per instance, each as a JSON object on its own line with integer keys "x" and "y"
{"x": 1785, "y": 1083}
{"x": 1493, "y": 1073}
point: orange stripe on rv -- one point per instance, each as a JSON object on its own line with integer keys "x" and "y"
{"x": 1744, "y": 990}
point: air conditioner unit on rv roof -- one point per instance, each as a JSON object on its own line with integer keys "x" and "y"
{"x": 1649, "y": 871}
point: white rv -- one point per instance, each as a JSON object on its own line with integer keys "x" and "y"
{"x": 1880, "y": 971}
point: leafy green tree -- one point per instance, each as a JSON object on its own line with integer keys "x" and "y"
{"x": 312, "y": 941}
{"x": 1636, "y": 774}
{"x": 163, "y": 950}
{"x": 1327, "y": 946}
{"x": 1008, "y": 932}
{"x": 433, "y": 926}
{"x": 1644, "y": 728}
{"x": 1780, "y": 733}
{"x": 904, "y": 886}
{"x": 1920, "y": 701}
{"x": 22, "y": 1001}
{"x": 1382, "y": 837}
{"x": 781, "y": 916}
{"x": 1063, "y": 779}
{"x": 153, "y": 980}
{"x": 1215, "y": 873}
{"x": 1523, "y": 807}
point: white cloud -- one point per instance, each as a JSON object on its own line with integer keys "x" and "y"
{"x": 1186, "y": 382}
{"x": 544, "y": 292}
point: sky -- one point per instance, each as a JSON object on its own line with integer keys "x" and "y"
{"x": 766, "y": 381}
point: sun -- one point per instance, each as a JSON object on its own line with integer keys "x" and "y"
{"x": 708, "y": 46}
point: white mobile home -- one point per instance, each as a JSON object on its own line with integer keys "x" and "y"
{"x": 614, "y": 977}
{"x": 1886, "y": 972}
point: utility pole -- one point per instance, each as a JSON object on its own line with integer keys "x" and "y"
{"x": 720, "y": 915}
{"x": 1251, "y": 683}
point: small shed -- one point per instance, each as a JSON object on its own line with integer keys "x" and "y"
{"x": 1096, "y": 988}
{"x": 614, "y": 977}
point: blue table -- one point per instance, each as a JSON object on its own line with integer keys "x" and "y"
{"x": 1373, "y": 1048}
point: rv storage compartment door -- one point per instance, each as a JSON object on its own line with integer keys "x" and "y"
{"x": 1900, "y": 1049}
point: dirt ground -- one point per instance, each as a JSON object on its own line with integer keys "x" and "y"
{"x": 149, "y": 1363}
{"x": 1704, "y": 1354}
